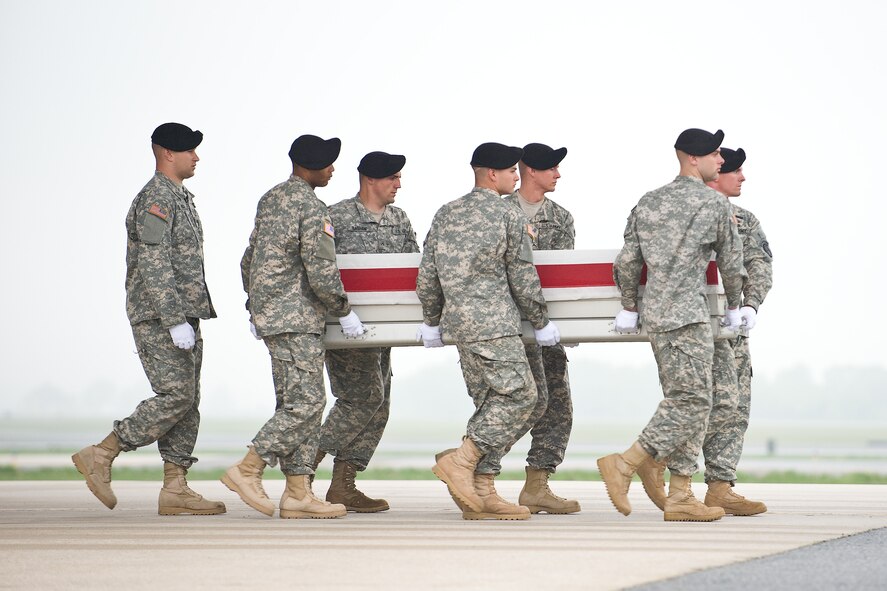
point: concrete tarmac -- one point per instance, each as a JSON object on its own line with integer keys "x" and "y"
{"x": 56, "y": 535}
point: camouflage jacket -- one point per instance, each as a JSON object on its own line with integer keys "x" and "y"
{"x": 674, "y": 230}
{"x": 164, "y": 256}
{"x": 358, "y": 232}
{"x": 477, "y": 275}
{"x": 289, "y": 268}
{"x": 553, "y": 225}
{"x": 756, "y": 258}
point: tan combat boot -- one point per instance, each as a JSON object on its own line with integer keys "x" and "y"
{"x": 537, "y": 496}
{"x": 681, "y": 505}
{"x": 298, "y": 501}
{"x": 245, "y": 478}
{"x": 343, "y": 490}
{"x": 616, "y": 471}
{"x": 494, "y": 506}
{"x": 652, "y": 475}
{"x": 456, "y": 470}
{"x": 94, "y": 462}
{"x": 177, "y": 498}
{"x": 720, "y": 494}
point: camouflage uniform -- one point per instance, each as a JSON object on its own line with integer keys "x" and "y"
{"x": 476, "y": 279}
{"x": 165, "y": 286}
{"x": 732, "y": 367}
{"x": 673, "y": 230}
{"x": 552, "y": 418}
{"x": 360, "y": 379}
{"x": 289, "y": 271}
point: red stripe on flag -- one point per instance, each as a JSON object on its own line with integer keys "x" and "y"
{"x": 380, "y": 279}
{"x": 579, "y": 275}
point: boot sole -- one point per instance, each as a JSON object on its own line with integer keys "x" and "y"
{"x": 286, "y": 514}
{"x": 232, "y": 486}
{"x": 184, "y": 511}
{"x": 475, "y": 516}
{"x": 534, "y": 509}
{"x": 366, "y": 510}
{"x": 84, "y": 471}
{"x": 741, "y": 513}
{"x": 600, "y": 467}
{"x": 679, "y": 516}
{"x": 474, "y": 507}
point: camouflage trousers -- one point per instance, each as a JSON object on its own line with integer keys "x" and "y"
{"x": 731, "y": 406}
{"x": 292, "y": 434}
{"x": 551, "y": 422}
{"x": 501, "y": 385}
{"x": 360, "y": 380}
{"x": 677, "y": 429}
{"x": 171, "y": 417}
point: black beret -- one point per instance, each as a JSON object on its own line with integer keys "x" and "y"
{"x": 314, "y": 153}
{"x": 733, "y": 159}
{"x": 495, "y": 156}
{"x": 176, "y": 137}
{"x": 698, "y": 142}
{"x": 380, "y": 165}
{"x": 542, "y": 157}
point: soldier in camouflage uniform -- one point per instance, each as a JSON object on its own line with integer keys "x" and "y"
{"x": 166, "y": 296}
{"x": 360, "y": 379}
{"x": 475, "y": 281}
{"x": 673, "y": 230}
{"x": 732, "y": 365}
{"x": 290, "y": 275}
{"x": 552, "y": 418}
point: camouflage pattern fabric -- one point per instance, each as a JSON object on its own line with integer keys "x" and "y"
{"x": 718, "y": 448}
{"x": 289, "y": 268}
{"x": 291, "y": 434}
{"x": 674, "y": 230}
{"x": 360, "y": 379}
{"x": 476, "y": 280}
{"x": 677, "y": 429}
{"x": 552, "y": 420}
{"x": 171, "y": 417}
{"x": 164, "y": 256}
{"x": 756, "y": 256}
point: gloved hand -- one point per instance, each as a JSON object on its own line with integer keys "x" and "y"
{"x": 351, "y": 325}
{"x": 626, "y": 322}
{"x": 732, "y": 319}
{"x": 548, "y": 335}
{"x": 749, "y": 317}
{"x": 252, "y": 329}
{"x": 182, "y": 335}
{"x": 429, "y": 335}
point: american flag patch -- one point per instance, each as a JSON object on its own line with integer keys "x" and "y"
{"x": 531, "y": 231}
{"x": 328, "y": 228}
{"x": 158, "y": 211}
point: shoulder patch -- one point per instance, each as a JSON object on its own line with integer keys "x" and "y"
{"x": 155, "y": 209}
{"x": 328, "y": 228}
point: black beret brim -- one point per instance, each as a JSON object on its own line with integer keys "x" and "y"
{"x": 496, "y": 156}
{"x": 380, "y": 165}
{"x": 176, "y": 137}
{"x": 314, "y": 153}
{"x": 733, "y": 159}
{"x": 543, "y": 161}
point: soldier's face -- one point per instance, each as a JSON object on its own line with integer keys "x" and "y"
{"x": 709, "y": 165}
{"x": 321, "y": 178}
{"x": 730, "y": 183}
{"x": 506, "y": 180}
{"x": 386, "y": 189}
{"x": 547, "y": 179}
{"x": 184, "y": 163}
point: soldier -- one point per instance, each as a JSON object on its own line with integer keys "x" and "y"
{"x": 475, "y": 281}
{"x": 166, "y": 296}
{"x": 360, "y": 379}
{"x": 552, "y": 418}
{"x": 731, "y": 405}
{"x": 674, "y": 230}
{"x": 292, "y": 281}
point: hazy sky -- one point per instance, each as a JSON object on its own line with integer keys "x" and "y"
{"x": 798, "y": 85}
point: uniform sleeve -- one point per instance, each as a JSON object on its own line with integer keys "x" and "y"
{"x": 154, "y": 230}
{"x": 758, "y": 262}
{"x": 728, "y": 247}
{"x": 629, "y": 265}
{"x": 318, "y": 251}
{"x": 428, "y": 286}
{"x": 568, "y": 236}
{"x": 245, "y": 264}
{"x": 522, "y": 276}
{"x": 409, "y": 243}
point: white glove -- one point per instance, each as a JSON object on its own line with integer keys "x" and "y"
{"x": 548, "y": 335}
{"x": 351, "y": 325}
{"x": 182, "y": 335}
{"x": 732, "y": 319}
{"x": 252, "y": 329}
{"x": 429, "y": 335}
{"x": 626, "y": 322}
{"x": 749, "y": 317}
